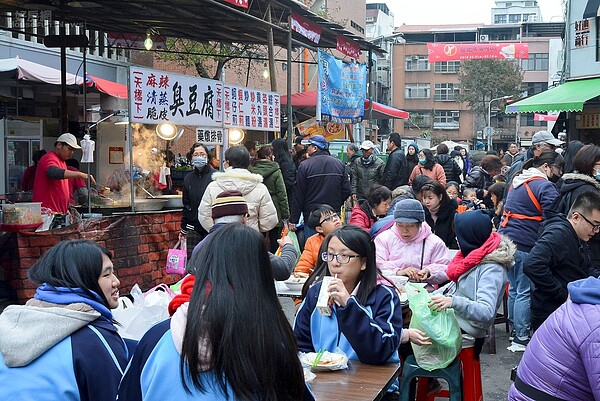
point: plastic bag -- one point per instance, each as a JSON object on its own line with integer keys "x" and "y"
{"x": 176, "y": 258}
{"x": 294, "y": 238}
{"x": 440, "y": 326}
{"x": 147, "y": 309}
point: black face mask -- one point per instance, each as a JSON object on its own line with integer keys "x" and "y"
{"x": 554, "y": 178}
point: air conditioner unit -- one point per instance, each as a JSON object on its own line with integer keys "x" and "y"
{"x": 484, "y": 38}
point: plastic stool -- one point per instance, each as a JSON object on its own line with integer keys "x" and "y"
{"x": 471, "y": 368}
{"x": 411, "y": 371}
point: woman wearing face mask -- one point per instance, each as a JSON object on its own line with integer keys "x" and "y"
{"x": 428, "y": 166}
{"x": 194, "y": 185}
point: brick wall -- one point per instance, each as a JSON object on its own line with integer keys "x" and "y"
{"x": 139, "y": 244}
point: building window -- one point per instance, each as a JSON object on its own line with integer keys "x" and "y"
{"x": 446, "y": 92}
{"x": 418, "y": 119}
{"x": 417, "y": 91}
{"x": 446, "y": 119}
{"x": 447, "y": 66}
{"x": 500, "y": 19}
{"x": 535, "y": 62}
{"x": 357, "y": 27}
{"x": 533, "y": 88}
{"x": 416, "y": 63}
{"x": 527, "y": 121}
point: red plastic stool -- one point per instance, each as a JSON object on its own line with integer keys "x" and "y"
{"x": 471, "y": 371}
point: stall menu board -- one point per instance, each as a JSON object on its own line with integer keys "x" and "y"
{"x": 209, "y": 136}
{"x": 251, "y": 108}
{"x": 159, "y": 96}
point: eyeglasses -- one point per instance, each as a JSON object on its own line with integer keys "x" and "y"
{"x": 595, "y": 227}
{"x": 340, "y": 257}
{"x": 199, "y": 155}
{"x": 330, "y": 218}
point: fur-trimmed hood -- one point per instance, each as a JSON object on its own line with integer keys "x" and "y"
{"x": 504, "y": 255}
{"x": 574, "y": 180}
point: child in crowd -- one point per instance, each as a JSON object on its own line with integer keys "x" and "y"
{"x": 495, "y": 192}
{"x": 409, "y": 248}
{"x": 207, "y": 350}
{"x": 324, "y": 220}
{"x": 62, "y": 344}
{"x": 453, "y": 191}
{"x": 470, "y": 199}
{"x": 364, "y": 322}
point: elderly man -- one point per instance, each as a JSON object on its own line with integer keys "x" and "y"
{"x": 51, "y": 186}
{"x": 512, "y": 155}
{"x": 396, "y": 171}
{"x": 366, "y": 171}
{"x": 231, "y": 207}
{"x": 321, "y": 179}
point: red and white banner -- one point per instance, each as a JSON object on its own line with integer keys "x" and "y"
{"x": 476, "y": 51}
{"x": 306, "y": 28}
{"x": 239, "y": 3}
{"x": 348, "y": 47}
{"x": 545, "y": 117}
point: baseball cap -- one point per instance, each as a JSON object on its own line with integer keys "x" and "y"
{"x": 367, "y": 145}
{"x": 545, "y": 136}
{"x": 318, "y": 140}
{"x": 69, "y": 139}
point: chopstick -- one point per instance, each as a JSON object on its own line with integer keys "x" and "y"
{"x": 318, "y": 358}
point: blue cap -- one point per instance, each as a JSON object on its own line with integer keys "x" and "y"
{"x": 319, "y": 141}
{"x": 479, "y": 145}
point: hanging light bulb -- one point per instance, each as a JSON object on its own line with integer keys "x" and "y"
{"x": 148, "y": 41}
{"x": 265, "y": 72}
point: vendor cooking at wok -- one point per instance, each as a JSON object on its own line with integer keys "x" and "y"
{"x": 51, "y": 186}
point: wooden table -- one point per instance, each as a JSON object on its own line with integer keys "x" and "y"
{"x": 359, "y": 382}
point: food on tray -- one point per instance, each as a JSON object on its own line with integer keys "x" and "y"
{"x": 333, "y": 128}
{"x": 327, "y": 360}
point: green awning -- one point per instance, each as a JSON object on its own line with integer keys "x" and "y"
{"x": 569, "y": 96}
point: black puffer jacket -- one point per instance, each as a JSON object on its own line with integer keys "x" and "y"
{"x": 288, "y": 170}
{"x": 443, "y": 227}
{"x": 451, "y": 168}
{"x": 396, "y": 170}
{"x": 479, "y": 180}
{"x": 194, "y": 185}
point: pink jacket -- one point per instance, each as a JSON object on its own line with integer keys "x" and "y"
{"x": 393, "y": 253}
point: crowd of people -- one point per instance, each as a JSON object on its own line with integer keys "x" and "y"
{"x": 467, "y": 224}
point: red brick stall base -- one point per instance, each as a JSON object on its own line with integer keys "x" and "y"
{"x": 139, "y": 244}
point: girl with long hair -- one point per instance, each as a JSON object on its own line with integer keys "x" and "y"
{"x": 439, "y": 212}
{"x": 365, "y": 322}
{"x": 53, "y": 346}
{"x": 231, "y": 341}
{"x": 429, "y": 167}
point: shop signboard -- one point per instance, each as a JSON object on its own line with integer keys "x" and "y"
{"x": 476, "y": 51}
{"x": 251, "y": 109}
{"x": 209, "y": 135}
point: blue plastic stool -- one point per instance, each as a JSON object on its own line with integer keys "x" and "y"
{"x": 451, "y": 374}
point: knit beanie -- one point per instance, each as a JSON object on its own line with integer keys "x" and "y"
{"x": 229, "y": 203}
{"x": 472, "y": 229}
{"x": 409, "y": 211}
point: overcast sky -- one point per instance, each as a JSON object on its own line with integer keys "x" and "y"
{"x": 433, "y": 12}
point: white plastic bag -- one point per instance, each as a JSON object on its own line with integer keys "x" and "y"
{"x": 148, "y": 309}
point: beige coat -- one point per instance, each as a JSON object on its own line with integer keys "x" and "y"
{"x": 261, "y": 210}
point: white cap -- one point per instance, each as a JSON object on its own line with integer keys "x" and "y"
{"x": 366, "y": 145}
{"x": 69, "y": 139}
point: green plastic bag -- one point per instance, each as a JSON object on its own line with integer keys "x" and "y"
{"x": 440, "y": 326}
{"x": 294, "y": 238}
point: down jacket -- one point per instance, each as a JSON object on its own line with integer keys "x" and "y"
{"x": 451, "y": 168}
{"x": 261, "y": 210}
{"x": 393, "y": 253}
{"x": 365, "y": 176}
{"x": 562, "y": 356}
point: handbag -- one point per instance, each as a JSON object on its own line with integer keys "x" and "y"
{"x": 176, "y": 258}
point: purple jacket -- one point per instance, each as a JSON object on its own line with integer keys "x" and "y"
{"x": 562, "y": 357}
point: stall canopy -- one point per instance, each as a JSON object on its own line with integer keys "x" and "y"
{"x": 569, "y": 96}
{"x": 373, "y": 110}
{"x": 18, "y": 68}
{"x": 105, "y": 86}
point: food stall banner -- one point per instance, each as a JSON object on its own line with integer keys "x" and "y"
{"x": 209, "y": 135}
{"x": 341, "y": 90}
{"x": 239, "y": 3}
{"x": 348, "y": 47}
{"x": 160, "y": 96}
{"x": 545, "y": 117}
{"x": 458, "y": 51}
{"x": 306, "y": 28}
{"x": 251, "y": 108}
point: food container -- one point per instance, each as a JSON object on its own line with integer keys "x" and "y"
{"x": 21, "y": 216}
{"x": 173, "y": 201}
{"x": 17, "y": 197}
{"x": 148, "y": 205}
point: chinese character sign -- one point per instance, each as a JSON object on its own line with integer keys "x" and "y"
{"x": 458, "y": 51}
{"x": 209, "y": 136}
{"x": 251, "y": 108}
{"x": 159, "y": 96}
{"x": 341, "y": 91}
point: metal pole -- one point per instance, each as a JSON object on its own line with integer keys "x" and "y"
{"x": 290, "y": 125}
{"x": 489, "y": 124}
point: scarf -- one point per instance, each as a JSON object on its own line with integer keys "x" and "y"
{"x": 66, "y": 295}
{"x": 460, "y": 264}
{"x": 186, "y": 290}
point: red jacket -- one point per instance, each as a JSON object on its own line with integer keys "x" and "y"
{"x": 360, "y": 218}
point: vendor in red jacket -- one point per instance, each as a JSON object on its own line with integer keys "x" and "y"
{"x": 51, "y": 186}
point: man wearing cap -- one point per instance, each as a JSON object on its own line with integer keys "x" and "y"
{"x": 321, "y": 179}
{"x": 478, "y": 153}
{"x": 231, "y": 207}
{"x": 51, "y": 186}
{"x": 396, "y": 171}
{"x": 541, "y": 141}
{"x": 366, "y": 171}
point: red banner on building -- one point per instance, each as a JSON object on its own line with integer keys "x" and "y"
{"x": 545, "y": 117}
{"x": 306, "y": 28}
{"x": 239, "y": 3}
{"x": 348, "y": 47}
{"x": 476, "y": 51}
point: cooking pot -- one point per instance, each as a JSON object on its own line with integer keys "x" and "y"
{"x": 148, "y": 205}
{"x": 173, "y": 201}
{"x": 16, "y": 197}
